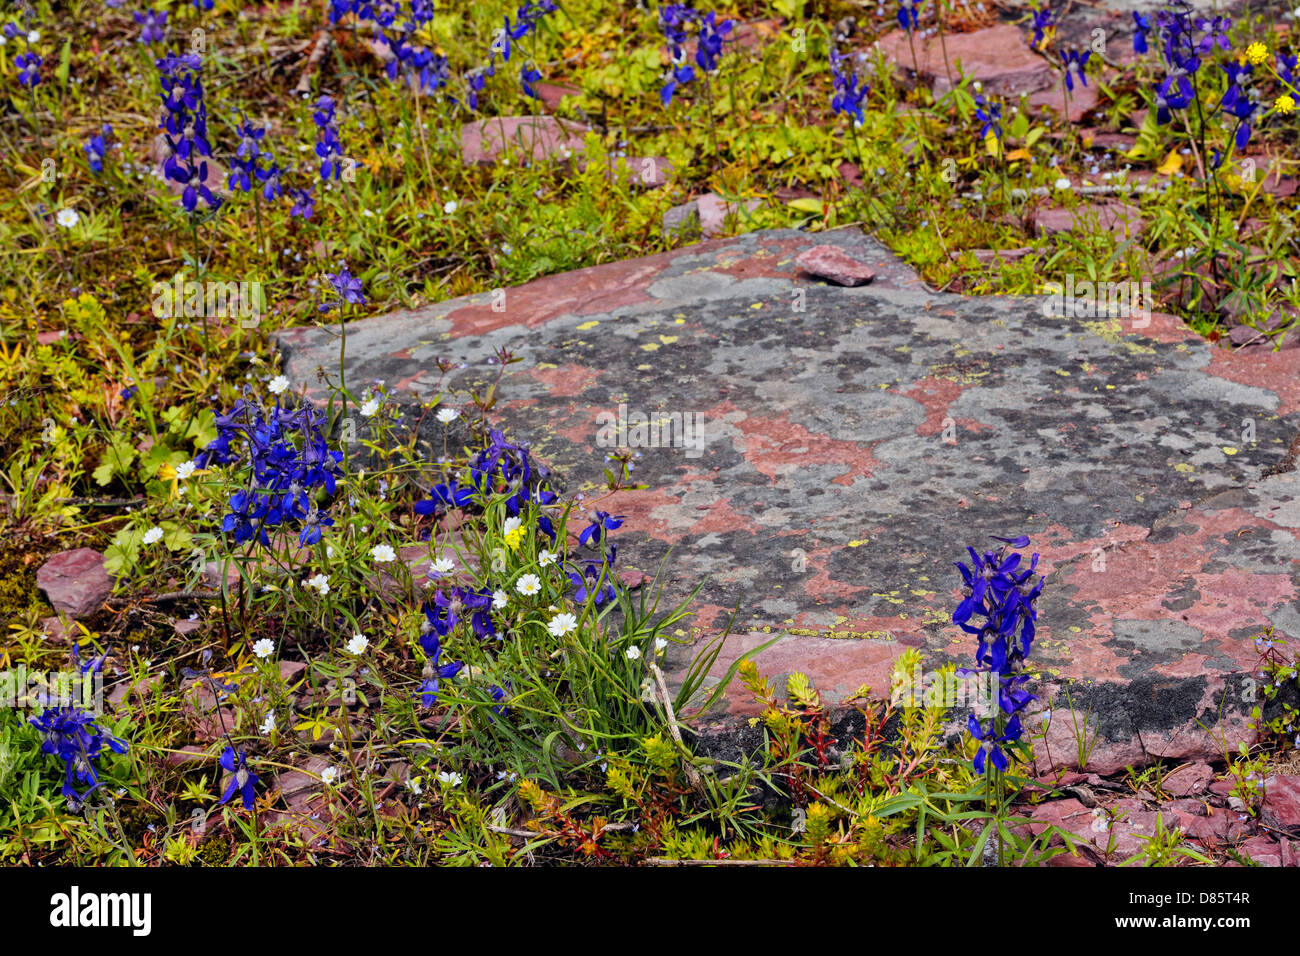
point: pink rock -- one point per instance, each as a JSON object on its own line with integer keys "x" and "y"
{"x": 1120, "y": 218}
{"x": 290, "y": 671}
{"x": 647, "y": 172}
{"x": 714, "y": 210}
{"x": 186, "y": 627}
{"x": 541, "y": 137}
{"x": 1082, "y": 100}
{"x": 1262, "y": 850}
{"x": 551, "y": 94}
{"x": 1188, "y": 779}
{"x": 998, "y": 57}
{"x": 834, "y": 264}
{"x": 75, "y": 582}
{"x": 1281, "y": 807}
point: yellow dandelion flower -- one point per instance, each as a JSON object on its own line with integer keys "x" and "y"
{"x": 1257, "y": 53}
{"x": 1284, "y": 104}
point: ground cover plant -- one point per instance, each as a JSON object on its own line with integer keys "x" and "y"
{"x": 373, "y": 631}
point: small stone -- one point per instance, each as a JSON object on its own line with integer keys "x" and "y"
{"x": 75, "y": 582}
{"x": 835, "y": 265}
{"x": 1281, "y": 807}
{"x": 1188, "y": 779}
{"x": 684, "y": 219}
{"x": 542, "y": 137}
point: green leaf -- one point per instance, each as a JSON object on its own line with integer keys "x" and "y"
{"x": 65, "y": 63}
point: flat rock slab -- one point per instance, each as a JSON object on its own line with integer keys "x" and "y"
{"x": 848, "y": 443}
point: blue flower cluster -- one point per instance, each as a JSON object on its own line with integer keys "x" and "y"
{"x": 74, "y": 737}
{"x": 909, "y": 12}
{"x": 1004, "y": 596}
{"x": 674, "y": 20}
{"x": 97, "y": 149}
{"x": 242, "y": 780}
{"x": 328, "y": 146}
{"x": 153, "y": 25}
{"x": 288, "y": 458}
{"x": 411, "y": 58}
{"x": 185, "y": 127}
{"x": 499, "y": 468}
{"x": 1184, "y": 39}
{"x": 254, "y": 163}
{"x": 29, "y": 69}
{"x": 990, "y": 114}
{"x": 849, "y": 89}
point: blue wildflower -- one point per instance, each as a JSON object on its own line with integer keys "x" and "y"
{"x": 242, "y": 780}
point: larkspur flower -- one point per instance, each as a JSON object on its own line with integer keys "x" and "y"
{"x": 434, "y": 671}
{"x": 303, "y": 202}
{"x": 153, "y": 24}
{"x": 185, "y": 129}
{"x": 595, "y": 532}
{"x": 97, "y": 149}
{"x": 1004, "y": 595}
{"x": 73, "y": 736}
{"x": 249, "y": 164}
{"x": 29, "y": 69}
{"x": 991, "y": 741}
{"x": 347, "y": 286}
{"x": 242, "y": 780}
{"x": 1043, "y": 25}
{"x": 1142, "y": 27}
{"x": 990, "y": 114}
{"x": 328, "y": 146}
{"x": 674, "y": 19}
{"x": 287, "y": 458}
{"x": 1074, "y": 63}
{"x": 908, "y": 14}
{"x": 849, "y": 90}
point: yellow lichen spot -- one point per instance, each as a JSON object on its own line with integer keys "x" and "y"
{"x": 679, "y": 321}
{"x": 1229, "y": 451}
{"x": 667, "y": 339}
{"x": 588, "y": 325}
{"x": 857, "y": 544}
{"x": 1061, "y": 371}
{"x": 542, "y": 366}
{"x": 1183, "y": 467}
{"x": 650, "y": 346}
{"x": 645, "y": 368}
{"x": 757, "y": 305}
{"x": 1076, "y": 629}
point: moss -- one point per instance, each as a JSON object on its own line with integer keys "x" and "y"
{"x": 19, "y": 597}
